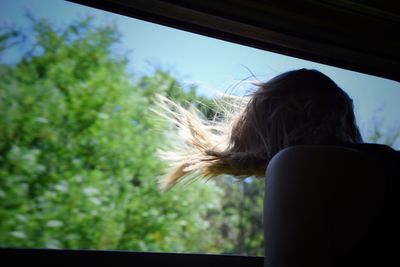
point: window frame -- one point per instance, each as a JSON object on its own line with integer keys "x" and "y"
{"x": 354, "y": 37}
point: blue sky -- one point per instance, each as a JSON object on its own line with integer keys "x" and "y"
{"x": 214, "y": 65}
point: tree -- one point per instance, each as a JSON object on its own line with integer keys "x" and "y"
{"x": 242, "y": 228}
{"x": 77, "y": 151}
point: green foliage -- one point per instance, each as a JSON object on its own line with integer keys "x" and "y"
{"x": 242, "y": 205}
{"x": 77, "y": 152}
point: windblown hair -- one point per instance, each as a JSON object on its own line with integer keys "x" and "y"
{"x": 301, "y": 107}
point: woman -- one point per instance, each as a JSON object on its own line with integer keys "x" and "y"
{"x": 329, "y": 197}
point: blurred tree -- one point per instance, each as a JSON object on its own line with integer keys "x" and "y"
{"x": 242, "y": 228}
{"x": 77, "y": 151}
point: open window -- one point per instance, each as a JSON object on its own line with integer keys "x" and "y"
{"x": 354, "y": 35}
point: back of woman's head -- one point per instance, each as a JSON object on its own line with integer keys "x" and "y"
{"x": 301, "y": 107}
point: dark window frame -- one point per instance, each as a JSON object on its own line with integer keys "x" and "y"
{"x": 350, "y": 36}
{"x": 35, "y": 257}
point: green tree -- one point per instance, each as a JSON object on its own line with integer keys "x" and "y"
{"x": 242, "y": 230}
{"x": 77, "y": 151}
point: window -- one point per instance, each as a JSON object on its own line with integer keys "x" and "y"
{"x": 78, "y": 167}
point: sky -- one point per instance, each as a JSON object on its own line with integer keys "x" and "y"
{"x": 213, "y": 65}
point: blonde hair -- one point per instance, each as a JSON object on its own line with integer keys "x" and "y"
{"x": 295, "y": 108}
